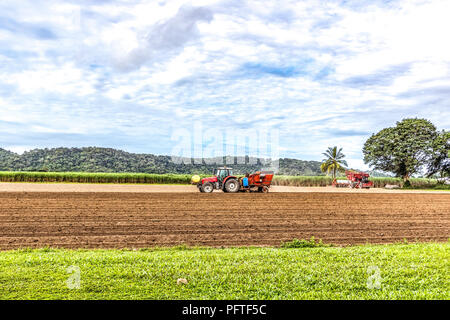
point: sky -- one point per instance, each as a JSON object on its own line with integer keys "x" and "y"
{"x": 127, "y": 74}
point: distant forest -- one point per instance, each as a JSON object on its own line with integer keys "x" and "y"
{"x": 93, "y": 159}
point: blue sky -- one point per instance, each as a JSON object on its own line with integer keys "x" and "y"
{"x": 126, "y": 74}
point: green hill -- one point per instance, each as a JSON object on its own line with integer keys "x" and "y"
{"x": 93, "y": 159}
{"x": 7, "y": 159}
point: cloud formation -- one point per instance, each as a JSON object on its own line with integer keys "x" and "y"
{"x": 167, "y": 38}
{"x": 126, "y": 74}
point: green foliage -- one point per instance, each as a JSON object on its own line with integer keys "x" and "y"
{"x": 334, "y": 161}
{"x": 296, "y": 243}
{"x": 437, "y": 186}
{"x": 293, "y": 181}
{"x": 146, "y": 178}
{"x": 295, "y": 167}
{"x": 407, "y": 184}
{"x": 403, "y": 149}
{"x": 441, "y": 186}
{"x": 407, "y": 271}
{"x": 7, "y": 159}
{"x": 87, "y": 177}
{"x": 440, "y": 159}
{"x": 323, "y": 181}
{"x": 108, "y": 160}
{"x": 420, "y": 183}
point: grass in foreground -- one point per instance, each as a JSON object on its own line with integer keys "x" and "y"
{"x": 407, "y": 271}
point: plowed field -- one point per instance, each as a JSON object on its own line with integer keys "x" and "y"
{"x": 136, "y": 220}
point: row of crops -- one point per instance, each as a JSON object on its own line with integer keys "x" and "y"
{"x": 302, "y": 181}
{"x": 86, "y": 177}
{"x": 137, "y": 178}
{"x": 322, "y": 181}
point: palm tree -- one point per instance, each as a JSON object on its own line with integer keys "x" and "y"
{"x": 334, "y": 161}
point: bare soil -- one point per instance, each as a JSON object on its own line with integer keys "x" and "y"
{"x": 139, "y": 220}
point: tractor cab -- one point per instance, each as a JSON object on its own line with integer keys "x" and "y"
{"x": 222, "y": 173}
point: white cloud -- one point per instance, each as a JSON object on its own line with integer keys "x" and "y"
{"x": 166, "y": 38}
{"x": 63, "y": 79}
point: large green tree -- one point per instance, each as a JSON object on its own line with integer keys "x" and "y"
{"x": 403, "y": 149}
{"x": 440, "y": 158}
{"x": 334, "y": 161}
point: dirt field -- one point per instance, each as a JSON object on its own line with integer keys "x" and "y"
{"x": 136, "y": 220}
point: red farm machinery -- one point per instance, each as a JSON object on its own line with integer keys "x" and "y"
{"x": 224, "y": 179}
{"x": 355, "y": 180}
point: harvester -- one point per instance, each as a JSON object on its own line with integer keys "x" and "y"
{"x": 223, "y": 179}
{"x": 358, "y": 180}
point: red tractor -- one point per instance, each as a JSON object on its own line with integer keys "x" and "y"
{"x": 224, "y": 179}
{"x": 355, "y": 179}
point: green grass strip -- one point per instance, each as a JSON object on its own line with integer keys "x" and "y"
{"x": 400, "y": 271}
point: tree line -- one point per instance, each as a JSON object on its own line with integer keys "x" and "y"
{"x": 95, "y": 159}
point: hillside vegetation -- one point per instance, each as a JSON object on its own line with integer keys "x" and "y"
{"x": 94, "y": 159}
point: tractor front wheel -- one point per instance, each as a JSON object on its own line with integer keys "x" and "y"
{"x": 207, "y": 187}
{"x": 232, "y": 185}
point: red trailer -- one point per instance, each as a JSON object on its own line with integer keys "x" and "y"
{"x": 359, "y": 180}
{"x": 259, "y": 181}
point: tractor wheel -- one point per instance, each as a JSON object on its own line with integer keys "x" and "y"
{"x": 265, "y": 189}
{"x": 232, "y": 185}
{"x": 207, "y": 187}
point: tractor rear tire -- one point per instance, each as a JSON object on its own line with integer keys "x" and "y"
{"x": 207, "y": 187}
{"x": 232, "y": 185}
